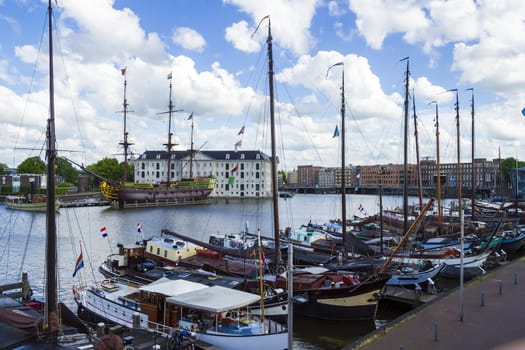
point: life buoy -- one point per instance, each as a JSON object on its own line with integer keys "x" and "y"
{"x": 280, "y": 269}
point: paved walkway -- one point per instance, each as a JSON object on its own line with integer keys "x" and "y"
{"x": 493, "y": 318}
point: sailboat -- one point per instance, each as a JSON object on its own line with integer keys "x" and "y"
{"x": 168, "y": 192}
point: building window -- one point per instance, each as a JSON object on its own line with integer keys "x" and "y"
{"x": 242, "y": 156}
{"x": 158, "y": 174}
{"x": 158, "y": 166}
{"x": 165, "y": 253}
{"x": 143, "y": 166}
{"x": 256, "y": 166}
{"x": 142, "y": 174}
{"x": 158, "y": 251}
{"x": 257, "y": 175}
{"x": 242, "y": 166}
{"x": 158, "y": 156}
{"x": 227, "y": 156}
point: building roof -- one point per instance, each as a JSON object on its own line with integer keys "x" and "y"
{"x": 217, "y": 155}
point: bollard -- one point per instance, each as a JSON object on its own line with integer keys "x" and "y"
{"x": 136, "y": 320}
{"x": 500, "y": 287}
{"x": 435, "y": 332}
{"x": 515, "y": 278}
{"x": 100, "y": 329}
{"x": 482, "y": 299}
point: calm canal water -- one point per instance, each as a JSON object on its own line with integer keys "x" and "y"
{"x": 23, "y": 235}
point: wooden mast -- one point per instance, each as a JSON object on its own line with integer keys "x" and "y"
{"x": 343, "y": 156}
{"x": 473, "y": 168}
{"x": 438, "y": 172}
{"x": 418, "y": 163}
{"x": 459, "y": 179}
{"x": 191, "y": 147}
{"x": 275, "y": 196}
{"x": 405, "y": 161}
{"x": 170, "y": 144}
{"x": 125, "y": 143}
{"x": 51, "y": 298}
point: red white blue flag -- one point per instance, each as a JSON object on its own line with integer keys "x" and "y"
{"x": 104, "y": 232}
{"x": 79, "y": 264}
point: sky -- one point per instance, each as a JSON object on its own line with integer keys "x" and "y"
{"x": 216, "y": 52}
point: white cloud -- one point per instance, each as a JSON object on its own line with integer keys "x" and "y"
{"x": 240, "y": 35}
{"x": 291, "y": 21}
{"x": 189, "y": 39}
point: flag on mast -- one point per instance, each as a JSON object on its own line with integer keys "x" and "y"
{"x": 336, "y": 132}
{"x": 80, "y": 262}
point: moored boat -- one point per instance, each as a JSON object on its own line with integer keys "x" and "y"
{"x": 36, "y": 204}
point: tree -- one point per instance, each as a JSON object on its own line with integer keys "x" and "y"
{"x": 32, "y": 165}
{"x": 507, "y": 165}
{"x": 3, "y": 167}
{"x": 108, "y": 168}
{"x": 66, "y": 171}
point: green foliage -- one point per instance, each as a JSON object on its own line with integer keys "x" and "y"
{"x": 3, "y": 167}
{"x": 66, "y": 171}
{"x": 108, "y": 168}
{"x": 32, "y": 165}
{"x": 507, "y": 165}
{"x": 60, "y": 191}
{"x": 66, "y": 184}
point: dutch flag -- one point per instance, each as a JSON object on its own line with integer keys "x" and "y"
{"x": 104, "y": 232}
{"x": 79, "y": 264}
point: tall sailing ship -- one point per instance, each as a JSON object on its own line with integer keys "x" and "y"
{"x": 182, "y": 191}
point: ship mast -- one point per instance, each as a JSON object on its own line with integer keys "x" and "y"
{"x": 275, "y": 196}
{"x": 419, "y": 180}
{"x": 405, "y": 162}
{"x": 51, "y": 300}
{"x": 343, "y": 156}
{"x": 473, "y": 176}
{"x": 170, "y": 144}
{"x": 438, "y": 171}
{"x": 192, "y": 150}
{"x": 125, "y": 143}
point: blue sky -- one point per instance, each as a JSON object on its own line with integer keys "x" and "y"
{"x": 219, "y": 74}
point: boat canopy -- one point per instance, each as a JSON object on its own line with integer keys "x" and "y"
{"x": 173, "y": 287}
{"x": 214, "y": 299}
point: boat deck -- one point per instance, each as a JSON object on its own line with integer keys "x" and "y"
{"x": 492, "y": 317}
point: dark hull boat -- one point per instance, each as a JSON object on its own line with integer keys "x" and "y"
{"x": 352, "y": 303}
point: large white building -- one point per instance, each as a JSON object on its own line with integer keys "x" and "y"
{"x": 238, "y": 173}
